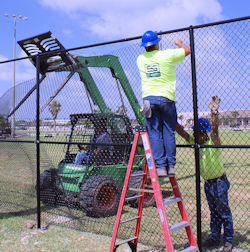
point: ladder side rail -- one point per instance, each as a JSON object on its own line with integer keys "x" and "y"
{"x": 124, "y": 191}
{"x": 183, "y": 212}
{"x": 157, "y": 192}
{"x": 140, "y": 205}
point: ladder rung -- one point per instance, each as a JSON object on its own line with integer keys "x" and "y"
{"x": 137, "y": 175}
{"x": 133, "y": 197}
{"x": 171, "y": 201}
{"x": 139, "y": 155}
{"x": 189, "y": 249}
{"x": 163, "y": 188}
{"x": 141, "y": 190}
{"x": 125, "y": 241}
{"x": 178, "y": 226}
{"x": 130, "y": 219}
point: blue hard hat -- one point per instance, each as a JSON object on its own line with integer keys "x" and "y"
{"x": 203, "y": 125}
{"x": 149, "y": 38}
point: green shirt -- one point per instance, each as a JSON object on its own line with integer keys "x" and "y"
{"x": 157, "y": 70}
{"x": 210, "y": 161}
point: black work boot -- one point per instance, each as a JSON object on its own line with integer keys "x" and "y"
{"x": 210, "y": 243}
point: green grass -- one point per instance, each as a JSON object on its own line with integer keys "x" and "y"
{"x": 18, "y": 201}
{"x": 15, "y": 236}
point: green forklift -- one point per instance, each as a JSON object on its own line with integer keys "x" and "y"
{"x": 94, "y": 186}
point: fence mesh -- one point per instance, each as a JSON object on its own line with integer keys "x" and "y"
{"x": 88, "y": 110}
{"x": 222, "y": 71}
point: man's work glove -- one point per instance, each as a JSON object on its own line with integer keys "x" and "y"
{"x": 214, "y": 104}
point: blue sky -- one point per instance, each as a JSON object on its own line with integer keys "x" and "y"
{"x": 81, "y": 22}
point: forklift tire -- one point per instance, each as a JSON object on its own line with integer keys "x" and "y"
{"x": 100, "y": 196}
{"x": 48, "y": 193}
{"x": 135, "y": 182}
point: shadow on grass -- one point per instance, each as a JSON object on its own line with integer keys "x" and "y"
{"x": 69, "y": 206}
{"x": 240, "y": 241}
{"x": 24, "y": 212}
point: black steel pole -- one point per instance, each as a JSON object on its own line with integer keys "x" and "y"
{"x": 196, "y": 145}
{"x": 38, "y": 141}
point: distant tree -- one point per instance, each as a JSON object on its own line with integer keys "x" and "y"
{"x": 4, "y": 125}
{"x": 2, "y": 121}
{"x": 54, "y": 109}
{"x": 68, "y": 123}
{"x": 225, "y": 120}
{"x": 234, "y": 113}
{"x": 21, "y": 122}
{"x": 122, "y": 110}
{"x": 97, "y": 111}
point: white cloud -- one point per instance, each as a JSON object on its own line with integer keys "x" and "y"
{"x": 67, "y": 32}
{"x": 112, "y": 19}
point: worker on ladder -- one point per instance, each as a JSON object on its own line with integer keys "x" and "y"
{"x": 149, "y": 166}
{"x": 157, "y": 70}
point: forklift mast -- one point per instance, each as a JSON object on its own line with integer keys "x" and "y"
{"x": 113, "y": 63}
{"x": 55, "y": 58}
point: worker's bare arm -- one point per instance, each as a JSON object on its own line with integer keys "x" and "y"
{"x": 214, "y": 107}
{"x": 180, "y": 130}
{"x": 179, "y": 43}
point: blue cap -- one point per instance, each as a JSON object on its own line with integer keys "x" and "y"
{"x": 149, "y": 38}
{"x": 203, "y": 125}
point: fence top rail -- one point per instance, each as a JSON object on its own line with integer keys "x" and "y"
{"x": 133, "y": 38}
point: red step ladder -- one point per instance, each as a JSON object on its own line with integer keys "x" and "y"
{"x": 166, "y": 229}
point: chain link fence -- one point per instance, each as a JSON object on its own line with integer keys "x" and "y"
{"x": 76, "y": 127}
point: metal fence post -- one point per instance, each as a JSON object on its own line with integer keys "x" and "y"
{"x": 196, "y": 145}
{"x": 38, "y": 140}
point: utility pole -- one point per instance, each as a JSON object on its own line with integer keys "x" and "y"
{"x": 14, "y": 71}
